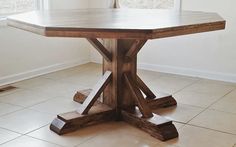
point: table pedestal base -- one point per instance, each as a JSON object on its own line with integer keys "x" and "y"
{"x": 157, "y": 126}
{"x": 124, "y": 95}
{"x": 72, "y": 121}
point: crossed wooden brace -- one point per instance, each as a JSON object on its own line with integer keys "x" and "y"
{"x": 93, "y": 111}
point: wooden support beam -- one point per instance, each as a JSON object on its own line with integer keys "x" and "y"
{"x": 135, "y": 48}
{"x": 144, "y": 108}
{"x": 96, "y": 92}
{"x": 162, "y": 100}
{"x": 145, "y": 89}
{"x": 157, "y": 126}
{"x": 100, "y": 48}
{"x": 72, "y": 121}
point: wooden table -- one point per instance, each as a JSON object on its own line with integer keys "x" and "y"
{"x": 124, "y": 31}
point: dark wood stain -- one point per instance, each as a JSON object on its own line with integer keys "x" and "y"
{"x": 124, "y": 33}
{"x": 117, "y": 23}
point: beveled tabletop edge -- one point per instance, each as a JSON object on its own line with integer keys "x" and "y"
{"x": 27, "y": 27}
{"x": 178, "y": 31}
{"x": 56, "y": 31}
{"x": 155, "y": 34}
{"x": 189, "y": 29}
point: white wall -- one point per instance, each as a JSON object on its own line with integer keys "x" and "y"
{"x": 209, "y": 55}
{"x": 94, "y": 55}
{"x": 24, "y": 55}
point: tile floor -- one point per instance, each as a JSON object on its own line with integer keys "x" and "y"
{"x": 205, "y": 116}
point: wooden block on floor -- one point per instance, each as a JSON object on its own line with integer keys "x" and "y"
{"x": 162, "y": 100}
{"x": 157, "y": 126}
{"x": 72, "y": 121}
{"x": 81, "y": 95}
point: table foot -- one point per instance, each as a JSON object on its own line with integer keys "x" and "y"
{"x": 162, "y": 100}
{"x": 72, "y": 121}
{"x": 157, "y": 126}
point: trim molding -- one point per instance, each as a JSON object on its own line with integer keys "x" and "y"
{"x": 189, "y": 72}
{"x": 184, "y": 71}
{"x": 41, "y": 71}
{"x": 152, "y": 67}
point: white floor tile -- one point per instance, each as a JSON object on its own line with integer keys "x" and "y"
{"x": 25, "y": 121}
{"x": 6, "y": 135}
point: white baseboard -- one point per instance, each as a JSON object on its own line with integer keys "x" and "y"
{"x": 153, "y": 67}
{"x": 189, "y": 72}
{"x": 186, "y": 72}
{"x": 40, "y": 71}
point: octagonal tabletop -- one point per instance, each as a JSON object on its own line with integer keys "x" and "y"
{"x": 117, "y": 23}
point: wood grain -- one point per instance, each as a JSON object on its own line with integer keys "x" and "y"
{"x": 135, "y": 48}
{"x": 100, "y": 48}
{"x": 156, "y": 126}
{"x": 72, "y": 121}
{"x": 137, "y": 95}
{"x": 162, "y": 100}
{"x": 117, "y": 94}
{"x": 96, "y": 92}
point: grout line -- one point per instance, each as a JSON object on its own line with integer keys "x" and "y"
{"x": 12, "y": 104}
{"x": 10, "y": 140}
{"x": 29, "y": 107}
{"x": 12, "y": 92}
{"x": 211, "y": 129}
{"x": 213, "y": 109}
{"x": 44, "y": 140}
{"x": 1, "y": 102}
{"x": 201, "y": 107}
{"x": 12, "y": 112}
{"x": 23, "y": 108}
{"x": 187, "y": 86}
{"x": 85, "y": 141}
{"x": 36, "y": 129}
{"x": 221, "y": 98}
{"x": 183, "y": 124}
{"x": 39, "y": 94}
{"x": 211, "y": 105}
{"x": 186, "y": 124}
{"x": 12, "y": 131}
{"x": 48, "y": 113}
